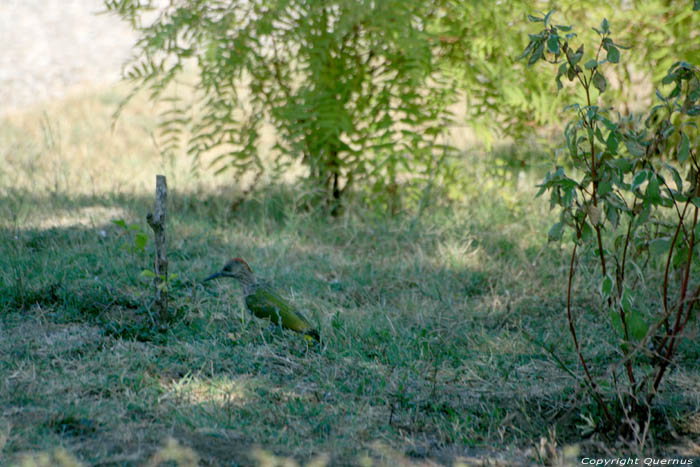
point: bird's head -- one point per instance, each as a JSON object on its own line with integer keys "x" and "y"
{"x": 237, "y": 268}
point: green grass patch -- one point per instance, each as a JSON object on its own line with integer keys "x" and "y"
{"x": 426, "y": 322}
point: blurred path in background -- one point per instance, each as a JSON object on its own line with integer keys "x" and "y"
{"x": 48, "y": 47}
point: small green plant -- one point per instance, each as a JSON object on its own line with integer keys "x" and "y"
{"x": 628, "y": 207}
{"x": 135, "y": 242}
{"x": 135, "y": 238}
{"x": 164, "y": 280}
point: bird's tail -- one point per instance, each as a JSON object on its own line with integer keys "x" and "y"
{"x": 312, "y": 334}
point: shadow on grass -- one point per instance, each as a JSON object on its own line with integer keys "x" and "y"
{"x": 420, "y": 319}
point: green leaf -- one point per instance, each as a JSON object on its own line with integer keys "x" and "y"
{"x": 613, "y": 54}
{"x": 684, "y": 149}
{"x": 653, "y": 192}
{"x": 612, "y": 142}
{"x": 617, "y": 202}
{"x": 611, "y": 215}
{"x": 577, "y": 56}
{"x": 643, "y": 216}
{"x": 636, "y": 326}
{"x": 553, "y": 44}
{"x": 556, "y": 232}
{"x": 653, "y": 115}
{"x": 148, "y": 273}
{"x": 605, "y": 26}
{"x": 680, "y": 256}
{"x": 566, "y": 182}
{"x": 606, "y": 286}
{"x": 659, "y": 246}
{"x": 675, "y": 92}
{"x": 599, "y": 136}
{"x": 120, "y": 223}
{"x": 668, "y": 131}
{"x": 635, "y": 148}
{"x": 660, "y": 96}
{"x": 535, "y": 19}
{"x": 592, "y": 113}
{"x": 547, "y": 16}
{"x": 599, "y": 81}
{"x": 696, "y": 5}
{"x": 568, "y": 196}
{"x": 621, "y": 163}
{"x": 140, "y": 241}
{"x": 626, "y": 300}
{"x": 527, "y": 50}
{"x": 669, "y": 78}
{"x": 639, "y": 179}
{"x": 537, "y": 54}
{"x": 590, "y": 64}
{"x": 604, "y": 187}
{"x": 676, "y": 177}
{"x": 562, "y": 69}
{"x": 616, "y": 322}
{"x": 586, "y": 232}
{"x": 694, "y": 90}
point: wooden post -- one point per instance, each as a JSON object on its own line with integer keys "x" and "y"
{"x": 157, "y": 223}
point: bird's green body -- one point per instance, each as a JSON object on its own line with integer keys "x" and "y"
{"x": 264, "y": 302}
{"x": 267, "y": 304}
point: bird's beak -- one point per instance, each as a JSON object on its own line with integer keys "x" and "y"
{"x": 213, "y": 276}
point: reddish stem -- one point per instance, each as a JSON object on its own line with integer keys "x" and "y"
{"x": 572, "y": 329}
{"x": 677, "y": 327}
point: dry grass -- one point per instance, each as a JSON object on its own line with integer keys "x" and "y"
{"x": 424, "y": 360}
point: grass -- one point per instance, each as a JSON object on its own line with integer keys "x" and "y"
{"x": 425, "y": 320}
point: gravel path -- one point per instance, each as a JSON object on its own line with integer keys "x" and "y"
{"x": 49, "y": 46}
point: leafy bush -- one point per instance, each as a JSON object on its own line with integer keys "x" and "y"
{"x": 350, "y": 86}
{"x": 359, "y": 91}
{"x": 506, "y": 97}
{"x": 631, "y": 209}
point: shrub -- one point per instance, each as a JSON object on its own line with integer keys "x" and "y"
{"x": 626, "y": 204}
{"x": 350, "y": 86}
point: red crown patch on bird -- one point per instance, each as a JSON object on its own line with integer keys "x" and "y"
{"x": 242, "y": 261}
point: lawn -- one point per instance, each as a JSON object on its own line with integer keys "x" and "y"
{"x": 438, "y": 327}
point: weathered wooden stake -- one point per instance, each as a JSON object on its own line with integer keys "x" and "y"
{"x": 157, "y": 223}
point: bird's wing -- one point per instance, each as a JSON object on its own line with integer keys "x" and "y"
{"x": 267, "y": 304}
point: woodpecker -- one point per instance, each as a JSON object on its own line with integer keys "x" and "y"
{"x": 264, "y": 302}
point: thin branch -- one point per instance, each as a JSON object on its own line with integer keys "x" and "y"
{"x": 679, "y": 314}
{"x": 572, "y": 329}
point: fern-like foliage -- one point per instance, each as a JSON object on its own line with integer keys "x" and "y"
{"x": 351, "y": 87}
